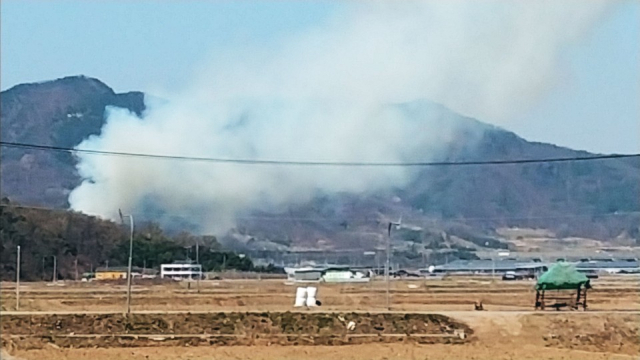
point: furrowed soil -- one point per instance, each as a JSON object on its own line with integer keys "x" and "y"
{"x": 254, "y": 320}
{"x": 506, "y": 335}
{"x": 115, "y": 330}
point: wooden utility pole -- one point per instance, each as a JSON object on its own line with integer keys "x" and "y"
{"x": 198, "y": 262}
{"x": 129, "y": 272}
{"x": 55, "y": 269}
{"x": 388, "y": 265}
{"x": 386, "y": 268}
{"x": 18, "y": 280}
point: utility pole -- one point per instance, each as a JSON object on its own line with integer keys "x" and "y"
{"x": 76, "y": 266}
{"x": 18, "y": 280}
{"x": 129, "y": 275}
{"x": 55, "y": 269}
{"x": 493, "y": 266}
{"x": 198, "y": 263}
{"x": 386, "y": 267}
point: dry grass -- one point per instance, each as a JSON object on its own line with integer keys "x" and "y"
{"x": 601, "y": 333}
{"x": 609, "y": 293}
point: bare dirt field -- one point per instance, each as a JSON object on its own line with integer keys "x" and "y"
{"x": 455, "y": 293}
{"x": 430, "y": 319}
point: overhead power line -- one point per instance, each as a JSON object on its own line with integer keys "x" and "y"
{"x": 311, "y": 163}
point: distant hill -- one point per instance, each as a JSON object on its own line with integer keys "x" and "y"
{"x": 468, "y": 202}
{"x": 81, "y": 243}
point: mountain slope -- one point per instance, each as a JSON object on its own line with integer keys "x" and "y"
{"x": 576, "y": 198}
{"x": 59, "y": 113}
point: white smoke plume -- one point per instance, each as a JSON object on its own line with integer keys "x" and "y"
{"x": 326, "y": 95}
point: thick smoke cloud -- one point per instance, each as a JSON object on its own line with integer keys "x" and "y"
{"x": 329, "y": 94}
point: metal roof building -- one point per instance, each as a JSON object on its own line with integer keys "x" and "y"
{"x": 613, "y": 266}
{"x": 487, "y": 266}
{"x": 502, "y": 266}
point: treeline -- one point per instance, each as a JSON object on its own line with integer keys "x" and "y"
{"x": 82, "y": 243}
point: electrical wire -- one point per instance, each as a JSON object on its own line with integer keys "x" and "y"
{"x": 313, "y": 163}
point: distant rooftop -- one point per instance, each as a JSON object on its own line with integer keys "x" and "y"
{"x": 511, "y": 265}
{"x": 488, "y": 265}
{"x": 613, "y": 264}
{"x": 134, "y": 269}
{"x": 184, "y": 262}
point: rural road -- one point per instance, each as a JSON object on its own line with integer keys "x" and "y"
{"x": 448, "y": 313}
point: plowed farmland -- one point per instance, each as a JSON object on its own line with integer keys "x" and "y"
{"x": 429, "y": 319}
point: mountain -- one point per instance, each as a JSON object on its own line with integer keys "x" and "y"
{"x": 56, "y": 113}
{"x": 444, "y": 206}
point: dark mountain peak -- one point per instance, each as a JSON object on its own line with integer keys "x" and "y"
{"x": 76, "y": 83}
{"x": 60, "y": 112}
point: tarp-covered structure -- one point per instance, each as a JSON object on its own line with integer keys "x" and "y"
{"x": 562, "y": 276}
{"x": 569, "y": 284}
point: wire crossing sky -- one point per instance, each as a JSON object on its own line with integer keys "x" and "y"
{"x": 314, "y": 163}
{"x": 382, "y": 85}
{"x": 159, "y": 46}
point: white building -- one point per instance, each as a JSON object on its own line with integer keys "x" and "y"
{"x": 305, "y": 274}
{"x": 181, "y": 271}
{"x": 339, "y": 276}
{"x": 330, "y": 274}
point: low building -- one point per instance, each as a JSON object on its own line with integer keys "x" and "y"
{"x": 478, "y": 267}
{"x": 112, "y": 273}
{"x": 305, "y": 274}
{"x": 630, "y": 266}
{"x": 340, "y": 275}
{"x": 120, "y": 272}
{"x": 487, "y": 266}
{"x": 181, "y": 270}
{"x": 329, "y": 274}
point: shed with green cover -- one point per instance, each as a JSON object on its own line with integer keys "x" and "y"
{"x": 564, "y": 278}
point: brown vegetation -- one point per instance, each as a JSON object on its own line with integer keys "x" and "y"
{"x": 249, "y": 319}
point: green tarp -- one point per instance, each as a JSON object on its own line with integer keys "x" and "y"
{"x": 562, "y": 276}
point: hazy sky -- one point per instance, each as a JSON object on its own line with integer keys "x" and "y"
{"x": 160, "y": 46}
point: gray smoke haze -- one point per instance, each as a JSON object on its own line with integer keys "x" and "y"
{"x": 329, "y": 94}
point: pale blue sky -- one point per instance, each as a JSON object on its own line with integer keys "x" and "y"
{"x": 157, "y": 45}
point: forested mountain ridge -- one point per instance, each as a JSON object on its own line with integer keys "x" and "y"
{"x": 595, "y": 199}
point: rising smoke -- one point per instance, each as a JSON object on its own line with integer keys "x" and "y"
{"x": 328, "y": 94}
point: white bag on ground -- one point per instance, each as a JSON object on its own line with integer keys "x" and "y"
{"x": 301, "y": 294}
{"x": 311, "y": 296}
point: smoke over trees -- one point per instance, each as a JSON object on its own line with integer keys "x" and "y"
{"x": 328, "y": 94}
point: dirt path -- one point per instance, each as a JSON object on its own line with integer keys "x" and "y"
{"x": 609, "y": 333}
{"x": 353, "y": 352}
{"x": 5, "y": 356}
